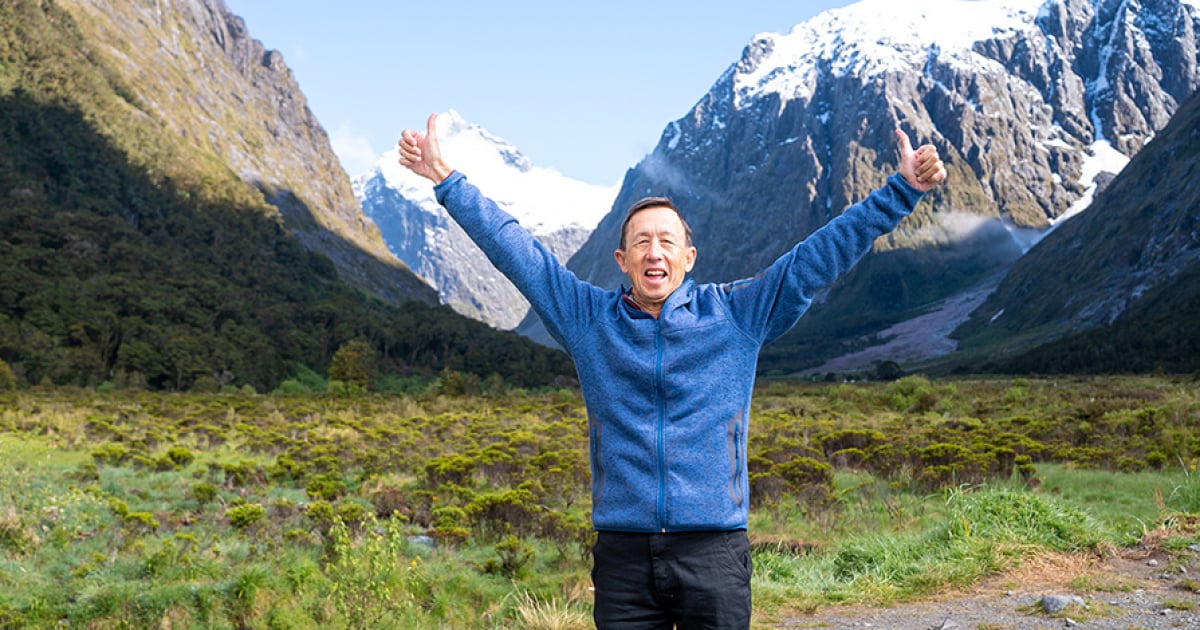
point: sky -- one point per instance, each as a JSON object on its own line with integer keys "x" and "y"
{"x": 585, "y": 88}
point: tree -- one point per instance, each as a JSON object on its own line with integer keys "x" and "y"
{"x": 8, "y": 382}
{"x": 354, "y": 364}
{"x": 888, "y": 371}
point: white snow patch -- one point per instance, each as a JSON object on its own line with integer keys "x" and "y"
{"x": 1101, "y": 157}
{"x": 873, "y": 36}
{"x": 542, "y": 199}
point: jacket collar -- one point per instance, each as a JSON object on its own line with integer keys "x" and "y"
{"x": 681, "y": 296}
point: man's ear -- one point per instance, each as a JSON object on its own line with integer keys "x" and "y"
{"x": 691, "y": 259}
{"x": 620, "y": 256}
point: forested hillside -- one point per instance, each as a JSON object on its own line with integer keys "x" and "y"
{"x": 1115, "y": 289}
{"x": 128, "y": 255}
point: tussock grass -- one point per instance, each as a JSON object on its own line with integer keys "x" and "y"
{"x": 141, "y": 510}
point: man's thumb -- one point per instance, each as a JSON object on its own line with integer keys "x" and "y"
{"x": 905, "y": 146}
{"x": 431, "y": 126}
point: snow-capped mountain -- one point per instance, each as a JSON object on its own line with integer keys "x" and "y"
{"x": 559, "y": 211}
{"x": 1034, "y": 105}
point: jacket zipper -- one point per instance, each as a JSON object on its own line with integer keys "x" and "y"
{"x": 662, "y": 418}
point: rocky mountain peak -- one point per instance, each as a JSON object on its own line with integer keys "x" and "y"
{"x": 203, "y": 77}
{"x": 559, "y": 211}
{"x": 1033, "y": 105}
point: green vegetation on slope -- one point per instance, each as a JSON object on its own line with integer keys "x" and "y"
{"x": 128, "y": 257}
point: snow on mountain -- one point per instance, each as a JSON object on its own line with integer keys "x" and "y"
{"x": 559, "y": 211}
{"x": 542, "y": 199}
{"x": 874, "y": 36}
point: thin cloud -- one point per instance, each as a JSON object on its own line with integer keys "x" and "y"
{"x": 353, "y": 149}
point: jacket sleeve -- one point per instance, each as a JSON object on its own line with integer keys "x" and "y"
{"x": 553, "y": 291}
{"x": 770, "y": 303}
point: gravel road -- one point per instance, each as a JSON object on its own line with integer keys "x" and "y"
{"x": 1130, "y": 590}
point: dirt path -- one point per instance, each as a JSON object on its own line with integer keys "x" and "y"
{"x": 1131, "y": 590}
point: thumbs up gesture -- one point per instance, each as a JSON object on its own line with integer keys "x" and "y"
{"x": 922, "y": 168}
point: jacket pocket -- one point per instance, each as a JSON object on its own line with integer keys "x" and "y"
{"x": 736, "y": 446}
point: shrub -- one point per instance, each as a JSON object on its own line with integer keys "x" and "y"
{"x": 14, "y": 534}
{"x": 888, "y": 371}
{"x": 141, "y": 520}
{"x": 240, "y": 474}
{"x": 328, "y": 486}
{"x": 766, "y": 486}
{"x": 354, "y": 364}
{"x": 449, "y": 525}
{"x": 8, "y": 382}
{"x": 352, "y": 513}
{"x": 180, "y": 456}
{"x": 455, "y": 469}
{"x": 245, "y": 515}
{"x": 110, "y": 453}
{"x": 205, "y": 385}
{"x": 204, "y": 492}
{"x": 322, "y": 514}
{"x": 808, "y": 478}
{"x": 285, "y": 468}
{"x": 512, "y": 555}
{"x": 1025, "y": 467}
{"x": 511, "y": 511}
{"x": 913, "y": 394}
{"x": 861, "y": 439}
{"x": 309, "y": 380}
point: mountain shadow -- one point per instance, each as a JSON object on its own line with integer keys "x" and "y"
{"x": 111, "y": 273}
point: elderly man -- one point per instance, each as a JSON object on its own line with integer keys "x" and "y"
{"x": 667, "y": 369}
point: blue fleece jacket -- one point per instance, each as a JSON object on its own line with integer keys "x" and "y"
{"x": 668, "y": 398}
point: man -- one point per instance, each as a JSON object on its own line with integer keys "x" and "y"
{"x": 667, "y": 369}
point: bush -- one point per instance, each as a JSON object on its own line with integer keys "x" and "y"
{"x": 245, "y": 515}
{"x": 180, "y": 456}
{"x": 8, "y": 382}
{"x": 204, "y": 493}
{"x": 305, "y": 381}
{"x": 354, "y": 364}
{"x": 327, "y": 486}
{"x": 512, "y": 555}
{"x": 112, "y": 454}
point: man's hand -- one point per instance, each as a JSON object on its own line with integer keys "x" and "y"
{"x": 420, "y": 153}
{"x": 922, "y": 168}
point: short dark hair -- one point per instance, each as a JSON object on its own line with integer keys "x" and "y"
{"x": 654, "y": 202}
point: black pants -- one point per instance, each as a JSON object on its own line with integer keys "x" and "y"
{"x": 661, "y": 581}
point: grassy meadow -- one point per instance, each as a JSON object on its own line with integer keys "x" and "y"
{"x": 131, "y": 509}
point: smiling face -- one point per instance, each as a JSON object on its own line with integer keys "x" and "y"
{"x": 656, "y": 254}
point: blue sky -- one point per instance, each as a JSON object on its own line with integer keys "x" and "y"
{"x": 582, "y": 87}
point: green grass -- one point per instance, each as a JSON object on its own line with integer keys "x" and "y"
{"x": 100, "y": 526}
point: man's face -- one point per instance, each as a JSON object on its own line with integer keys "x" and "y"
{"x": 656, "y": 257}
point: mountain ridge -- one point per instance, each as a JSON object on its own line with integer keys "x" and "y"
{"x": 204, "y": 78}
{"x": 131, "y": 257}
{"x": 1022, "y": 141}
{"x": 558, "y": 211}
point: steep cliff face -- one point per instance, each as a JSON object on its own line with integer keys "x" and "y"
{"x": 1138, "y": 245}
{"x": 1020, "y": 100}
{"x": 1033, "y": 105}
{"x": 194, "y": 68}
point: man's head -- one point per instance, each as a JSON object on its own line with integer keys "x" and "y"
{"x": 656, "y": 251}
